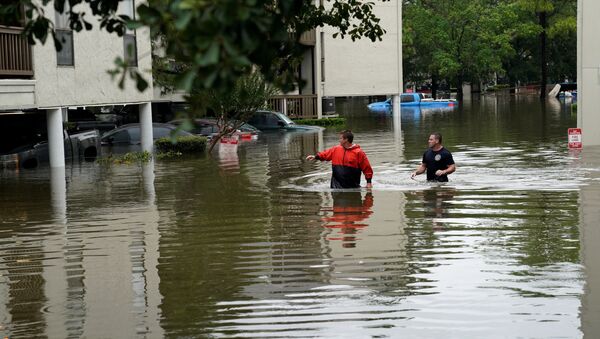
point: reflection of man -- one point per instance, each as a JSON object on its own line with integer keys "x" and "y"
{"x": 349, "y": 213}
{"x": 347, "y": 161}
{"x": 436, "y": 204}
{"x": 437, "y": 160}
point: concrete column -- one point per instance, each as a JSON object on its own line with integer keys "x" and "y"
{"x": 397, "y": 125}
{"x": 396, "y": 105}
{"x": 146, "y": 133}
{"x": 56, "y": 146}
{"x": 588, "y": 71}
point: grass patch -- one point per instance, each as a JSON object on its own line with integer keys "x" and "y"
{"x": 181, "y": 145}
{"x": 326, "y": 122}
{"x": 574, "y": 108}
{"x": 126, "y": 159}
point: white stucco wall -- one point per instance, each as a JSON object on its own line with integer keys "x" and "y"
{"x": 588, "y": 71}
{"x": 362, "y": 67}
{"x": 87, "y": 82}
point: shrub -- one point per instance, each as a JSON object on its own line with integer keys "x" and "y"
{"x": 127, "y": 158}
{"x": 321, "y": 122}
{"x": 182, "y": 144}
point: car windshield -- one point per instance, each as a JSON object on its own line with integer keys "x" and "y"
{"x": 285, "y": 118}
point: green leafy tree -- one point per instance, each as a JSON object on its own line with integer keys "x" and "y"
{"x": 249, "y": 94}
{"x": 557, "y": 29}
{"x": 456, "y": 40}
{"x": 217, "y": 41}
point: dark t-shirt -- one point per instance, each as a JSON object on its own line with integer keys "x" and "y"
{"x": 434, "y": 161}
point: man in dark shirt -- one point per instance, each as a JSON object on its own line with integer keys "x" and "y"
{"x": 437, "y": 161}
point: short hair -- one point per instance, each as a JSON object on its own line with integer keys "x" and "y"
{"x": 438, "y": 136}
{"x": 347, "y": 134}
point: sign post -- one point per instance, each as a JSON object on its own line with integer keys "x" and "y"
{"x": 575, "y": 141}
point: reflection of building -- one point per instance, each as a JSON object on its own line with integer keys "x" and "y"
{"x": 90, "y": 271}
{"x": 374, "y": 233}
{"x": 589, "y": 231}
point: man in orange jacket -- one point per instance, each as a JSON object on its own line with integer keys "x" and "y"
{"x": 347, "y": 162}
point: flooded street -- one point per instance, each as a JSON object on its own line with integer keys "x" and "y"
{"x": 253, "y": 243}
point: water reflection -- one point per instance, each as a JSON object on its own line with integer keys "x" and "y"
{"x": 590, "y": 237}
{"x": 177, "y": 249}
{"x": 347, "y": 216}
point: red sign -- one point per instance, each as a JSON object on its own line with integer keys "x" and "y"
{"x": 575, "y": 138}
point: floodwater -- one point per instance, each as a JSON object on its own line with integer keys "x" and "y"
{"x": 252, "y": 242}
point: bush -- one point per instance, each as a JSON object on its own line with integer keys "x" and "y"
{"x": 182, "y": 144}
{"x": 321, "y": 122}
{"x": 127, "y": 158}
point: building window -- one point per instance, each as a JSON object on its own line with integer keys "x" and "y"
{"x": 129, "y": 39}
{"x": 130, "y": 48}
{"x": 64, "y": 34}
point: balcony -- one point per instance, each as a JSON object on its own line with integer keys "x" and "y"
{"x": 15, "y": 54}
{"x": 295, "y": 106}
{"x": 308, "y": 38}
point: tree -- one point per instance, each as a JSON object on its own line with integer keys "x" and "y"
{"x": 556, "y": 20}
{"x": 232, "y": 109}
{"x": 218, "y": 41}
{"x": 456, "y": 40}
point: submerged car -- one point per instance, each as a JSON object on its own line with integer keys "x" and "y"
{"x": 78, "y": 146}
{"x": 209, "y": 127}
{"x": 269, "y": 120}
{"x": 127, "y": 138}
{"x": 130, "y": 134}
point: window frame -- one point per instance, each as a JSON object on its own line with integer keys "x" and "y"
{"x": 63, "y": 30}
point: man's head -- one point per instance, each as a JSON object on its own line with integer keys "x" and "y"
{"x": 434, "y": 139}
{"x": 346, "y": 137}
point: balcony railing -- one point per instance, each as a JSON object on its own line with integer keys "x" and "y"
{"x": 295, "y": 106}
{"x": 309, "y": 38}
{"x": 15, "y": 53}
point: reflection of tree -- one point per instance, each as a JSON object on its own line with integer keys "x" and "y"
{"x": 551, "y": 218}
{"x": 24, "y": 210}
{"x": 349, "y": 213}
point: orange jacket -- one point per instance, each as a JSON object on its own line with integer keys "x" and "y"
{"x": 347, "y": 164}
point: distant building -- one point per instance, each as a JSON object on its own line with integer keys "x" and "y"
{"x": 335, "y": 67}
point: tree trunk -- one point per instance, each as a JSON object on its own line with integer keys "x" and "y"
{"x": 434, "y": 85}
{"x": 459, "y": 89}
{"x": 544, "y": 63}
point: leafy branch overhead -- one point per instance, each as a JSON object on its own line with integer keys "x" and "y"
{"x": 217, "y": 40}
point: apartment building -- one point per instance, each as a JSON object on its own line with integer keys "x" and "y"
{"x": 335, "y": 67}
{"x": 37, "y": 82}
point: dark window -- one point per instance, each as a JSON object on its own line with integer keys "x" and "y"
{"x": 64, "y": 35}
{"x": 407, "y": 98}
{"x": 134, "y": 134}
{"x": 161, "y": 132}
{"x": 129, "y": 41}
{"x": 64, "y": 57}
{"x": 130, "y": 47}
{"x": 272, "y": 120}
{"x": 121, "y": 137}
